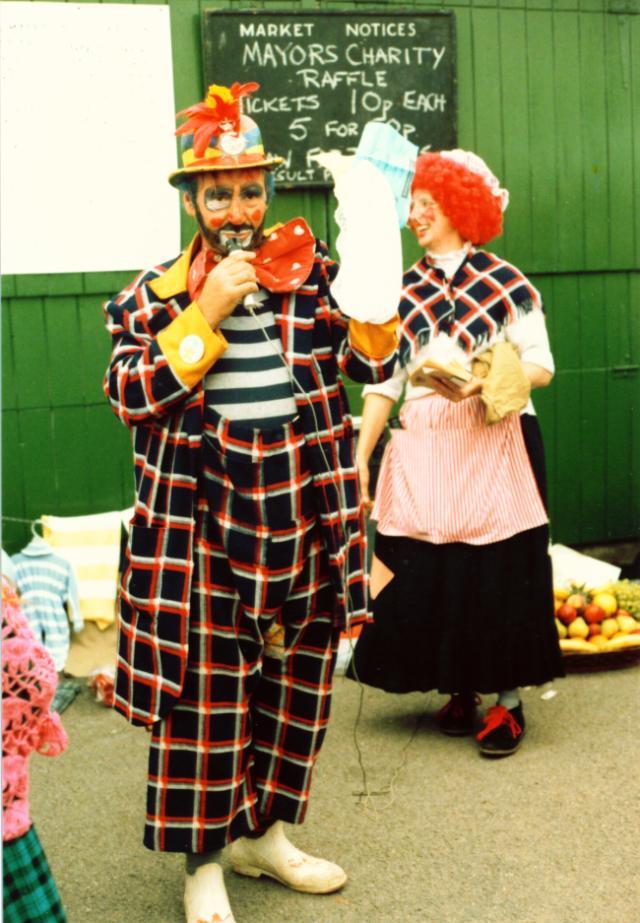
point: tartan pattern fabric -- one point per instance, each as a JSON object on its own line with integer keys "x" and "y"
{"x": 240, "y": 744}
{"x": 167, "y": 417}
{"x": 483, "y": 296}
{"x": 29, "y": 891}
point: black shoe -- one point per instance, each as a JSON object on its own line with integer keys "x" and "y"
{"x": 503, "y": 732}
{"x": 457, "y": 718}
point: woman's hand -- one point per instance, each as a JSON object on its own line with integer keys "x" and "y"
{"x": 455, "y": 393}
{"x": 375, "y": 413}
{"x": 362, "y": 465}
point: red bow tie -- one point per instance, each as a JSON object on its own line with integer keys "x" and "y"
{"x": 282, "y": 264}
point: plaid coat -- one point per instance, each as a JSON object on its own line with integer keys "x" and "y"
{"x": 163, "y": 404}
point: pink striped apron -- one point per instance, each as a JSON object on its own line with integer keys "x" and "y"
{"x": 448, "y": 477}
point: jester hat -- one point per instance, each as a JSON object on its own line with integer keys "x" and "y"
{"x": 218, "y": 136}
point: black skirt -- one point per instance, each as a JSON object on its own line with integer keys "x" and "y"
{"x": 458, "y": 617}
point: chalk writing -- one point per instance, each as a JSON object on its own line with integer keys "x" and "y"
{"x": 324, "y": 75}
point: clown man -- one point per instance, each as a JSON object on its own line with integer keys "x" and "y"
{"x": 246, "y": 552}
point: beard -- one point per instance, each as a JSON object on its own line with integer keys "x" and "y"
{"x": 218, "y": 240}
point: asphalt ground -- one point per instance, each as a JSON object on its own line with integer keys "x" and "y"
{"x": 548, "y": 835}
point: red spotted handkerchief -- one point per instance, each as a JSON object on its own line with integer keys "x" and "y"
{"x": 283, "y": 262}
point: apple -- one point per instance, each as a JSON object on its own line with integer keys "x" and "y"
{"x": 567, "y": 614}
{"x": 594, "y": 614}
{"x": 594, "y": 628}
{"x": 577, "y": 600}
{"x": 606, "y": 601}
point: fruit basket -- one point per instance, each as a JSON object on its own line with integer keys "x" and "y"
{"x": 598, "y": 620}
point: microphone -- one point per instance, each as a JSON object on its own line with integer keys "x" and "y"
{"x": 253, "y": 299}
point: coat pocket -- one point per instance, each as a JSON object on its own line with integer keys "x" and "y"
{"x": 153, "y": 624}
{"x": 159, "y": 566}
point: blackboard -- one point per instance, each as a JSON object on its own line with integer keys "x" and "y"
{"x": 324, "y": 75}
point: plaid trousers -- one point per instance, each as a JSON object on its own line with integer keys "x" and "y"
{"x": 239, "y": 746}
{"x": 29, "y": 891}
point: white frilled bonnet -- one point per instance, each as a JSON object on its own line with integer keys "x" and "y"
{"x": 476, "y": 164}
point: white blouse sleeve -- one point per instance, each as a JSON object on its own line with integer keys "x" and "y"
{"x": 529, "y": 336}
{"x": 392, "y": 387}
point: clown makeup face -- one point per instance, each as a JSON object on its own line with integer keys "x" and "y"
{"x": 230, "y": 207}
{"x": 431, "y": 226}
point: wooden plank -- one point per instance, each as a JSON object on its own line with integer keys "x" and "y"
{"x": 621, "y": 494}
{"x": 592, "y": 307}
{"x": 544, "y": 232}
{"x": 569, "y": 209}
{"x": 634, "y": 320}
{"x": 487, "y": 80}
{"x": 63, "y": 283}
{"x": 63, "y": 342}
{"x": 589, "y": 6}
{"x": 617, "y": 320}
{"x": 14, "y": 535}
{"x": 634, "y": 25}
{"x": 37, "y": 462}
{"x": 545, "y": 285}
{"x": 515, "y": 138}
{"x": 110, "y": 282}
{"x": 95, "y": 348}
{"x": 594, "y": 466}
{"x": 466, "y": 116}
{"x": 565, "y": 338}
{"x": 595, "y": 169}
{"x": 9, "y": 397}
{"x": 620, "y": 121}
{"x": 30, "y": 353}
{"x": 109, "y": 472}
{"x": 69, "y": 450}
{"x": 8, "y": 286}
{"x": 568, "y": 456}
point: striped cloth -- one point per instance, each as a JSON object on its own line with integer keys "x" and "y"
{"x": 47, "y": 584}
{"x": 28, "y": 890}
{"x": 448, "y": 477}
{"x": 91, "y": 544}
{"x": 249, "y": 382}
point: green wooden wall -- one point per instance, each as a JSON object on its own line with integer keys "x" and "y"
{"x": 549, "y": 95}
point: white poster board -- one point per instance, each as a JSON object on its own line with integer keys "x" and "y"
{"x": 87, "y": 138}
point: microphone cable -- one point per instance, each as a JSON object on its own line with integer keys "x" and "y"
{"x": 251, "y": 302}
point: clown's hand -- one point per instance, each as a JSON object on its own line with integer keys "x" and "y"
{"x": 369, "y": 280}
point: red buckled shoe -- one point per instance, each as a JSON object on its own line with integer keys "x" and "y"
{"x": 457, "y": 717}
{"x": 503, "y": 731}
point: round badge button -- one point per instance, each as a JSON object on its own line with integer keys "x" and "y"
{"x": 191, "y": 349}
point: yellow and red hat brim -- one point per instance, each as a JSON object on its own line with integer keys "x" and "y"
{"x": 244, "y": 161}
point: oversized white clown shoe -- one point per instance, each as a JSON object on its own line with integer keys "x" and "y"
{"x": 205, "y": 896}
{"x": 272, "y": 854}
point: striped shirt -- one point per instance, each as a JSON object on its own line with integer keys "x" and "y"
{"x": 47, "y": 583}
{"x": 250, "y": 382}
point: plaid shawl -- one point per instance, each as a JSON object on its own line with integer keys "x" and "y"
{"x": 483, "y": 296}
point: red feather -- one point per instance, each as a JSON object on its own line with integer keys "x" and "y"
{"x": 204, "y": 121}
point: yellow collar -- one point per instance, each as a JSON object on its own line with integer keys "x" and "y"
{"x": 174, "y": 280}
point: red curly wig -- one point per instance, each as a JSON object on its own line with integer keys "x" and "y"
{"x": 462, "y": 195}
